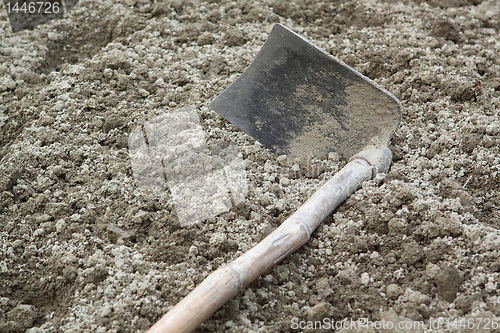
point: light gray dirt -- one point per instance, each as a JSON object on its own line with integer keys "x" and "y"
{"x": 83, "y": 249}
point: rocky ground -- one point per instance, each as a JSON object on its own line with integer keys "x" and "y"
{"x": 84, "y": 249}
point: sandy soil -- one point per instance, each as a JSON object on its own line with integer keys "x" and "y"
{"x": 84, "y": 249}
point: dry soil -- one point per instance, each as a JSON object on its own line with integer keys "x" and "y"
{"x": 84, "y": 249}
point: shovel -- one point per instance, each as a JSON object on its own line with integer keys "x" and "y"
{"x": 297, "y": 100}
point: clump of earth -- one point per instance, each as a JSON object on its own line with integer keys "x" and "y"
{"x": 83, "y": 248}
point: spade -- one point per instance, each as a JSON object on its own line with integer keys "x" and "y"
{"x": 300, "y": 101}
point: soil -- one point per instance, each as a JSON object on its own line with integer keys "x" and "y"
{"x": 84, "y": 249}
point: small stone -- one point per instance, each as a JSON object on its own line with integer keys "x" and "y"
{"x": 493, "y": 128}
{"x": 281, "y": 205}
{"x": 106, "y": 311}
{"x": 91, "y": 103}
{"x": 214, "y": 16}
{"x": 218, "y": 238}
{"x": 70, "y": 273}
{"x": 266, "y": 200}
{"x": 46, "y": 120}
{"x": 393, "y": 291}
{"x": 59, "y": 106}
{"x": 323, "y": 287}
{"x": 410, "y": 311}
{"x": 18, "y": 243}
{"x": 464, "y": 302}
{"x": 334, "y": 157}
{"x": 460, "y": 90}
{"x": 193, "y": 251}
{"x": 159, "y": 9}
{"x": 398, "y": 226}
{"x": 379, "y": 178}
{"x": 143, "y": 92}
{"x": 43, "y": 218}
{"x": 448, "y": 283}
{"x": 490, "y": 287}
{"x": 493, "y": 83}
{"x": 448, "y": 227}
{"x": 442, "y": 305}
{"x": 38, "y": 232}
{"x": 234, "y": 37}
{"x": 418, "y": 298}
{"x": 112, "y": 122}
{"x": 281, "y": 159}
{"x": 495, "y": 267}
{"x": 140, "y": 217}
{"x": 282, "y": 273}
{"x": 284, "y": 181}
{"x": 23, "y": 315}
{"x": 59, "y": 171}
{"x": 432, "y": 270}
{"x": 413, "y": 253}
{"x": 34, "y": 330}
{"x": 365, "y": 279}
{"x": 7, "y": 83}
{"x": 4, "y": 301}
{"x": 205, "y": 39}
{"x": 390, "y": 316}
{"x": 255, "y": 216}
{"x": 53, "y": 36}
{"x": 319, "y": 311}
{"x": 275, "y": 188}
{"x": 403, "y": 193}
{"x": 346, "y": 276}
{"x": 60, "y": 225}
{"x": 359, "y": 244}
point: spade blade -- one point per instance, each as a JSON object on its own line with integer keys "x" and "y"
{"x": 298, "y": 100}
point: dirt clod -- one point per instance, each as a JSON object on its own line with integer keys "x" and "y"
{"x": 448, "y": 283}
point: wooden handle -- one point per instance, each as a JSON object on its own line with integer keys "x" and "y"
{"x": 228, "y": 280}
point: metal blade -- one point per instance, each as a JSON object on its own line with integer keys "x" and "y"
{"x": 298, "y": 100}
